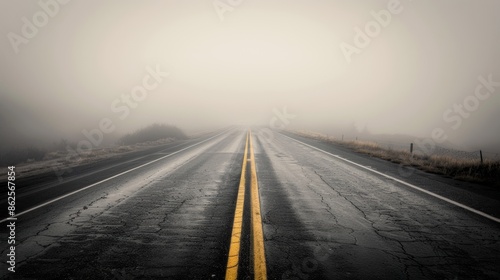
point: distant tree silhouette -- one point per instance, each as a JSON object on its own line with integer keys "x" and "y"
{"x": 19, "y": 155}
{"x": 152, "y": 133}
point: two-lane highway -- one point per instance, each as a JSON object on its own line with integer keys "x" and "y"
{"x": 196, "y": 212}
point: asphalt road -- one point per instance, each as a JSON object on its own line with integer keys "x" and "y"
{"x": 172, "y": 213}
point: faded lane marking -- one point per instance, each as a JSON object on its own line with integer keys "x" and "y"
{"x": 112, "y": 177}
{"x": 465, "y": 207}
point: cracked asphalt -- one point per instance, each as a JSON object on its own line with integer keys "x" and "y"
{"x": 322, "y": 218}
{"x": 327, "y": 219}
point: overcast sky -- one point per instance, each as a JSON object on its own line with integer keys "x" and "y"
{"x": 234, "y": 64}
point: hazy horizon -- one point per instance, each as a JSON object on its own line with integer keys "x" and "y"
{"x": 199, "y": 68}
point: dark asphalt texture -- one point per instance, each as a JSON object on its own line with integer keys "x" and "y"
{"x": 323, "y": 218}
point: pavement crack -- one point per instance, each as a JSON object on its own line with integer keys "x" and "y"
{"x": 344, "y": 197}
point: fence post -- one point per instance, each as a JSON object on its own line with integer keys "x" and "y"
{"x": 342, "y": 137}
{"x": 481, "y": 155}
{"x": 411, "y": 148}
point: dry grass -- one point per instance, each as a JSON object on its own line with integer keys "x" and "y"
{"x": 457, "y": 168}
{"x": 65, "y": 159}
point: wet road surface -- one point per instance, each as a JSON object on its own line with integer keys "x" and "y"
{"x": 173, "y": 217}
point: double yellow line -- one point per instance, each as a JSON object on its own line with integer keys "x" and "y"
{"x": 257, "y": 234}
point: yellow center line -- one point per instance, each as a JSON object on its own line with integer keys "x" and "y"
{"x": 259, "y": 258}
{"x": 257, "y": 234}
{"x": 234, "y": 248}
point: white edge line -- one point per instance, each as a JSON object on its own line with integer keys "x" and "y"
{"x": 107, "y": 179}
{"x": 495, "y": 219}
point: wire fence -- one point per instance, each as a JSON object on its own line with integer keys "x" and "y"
{"x": 440, "y": 151}
{"x": 425, "y": 150}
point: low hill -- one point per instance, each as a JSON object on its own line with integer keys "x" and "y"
{"x": 152, "y": 133}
